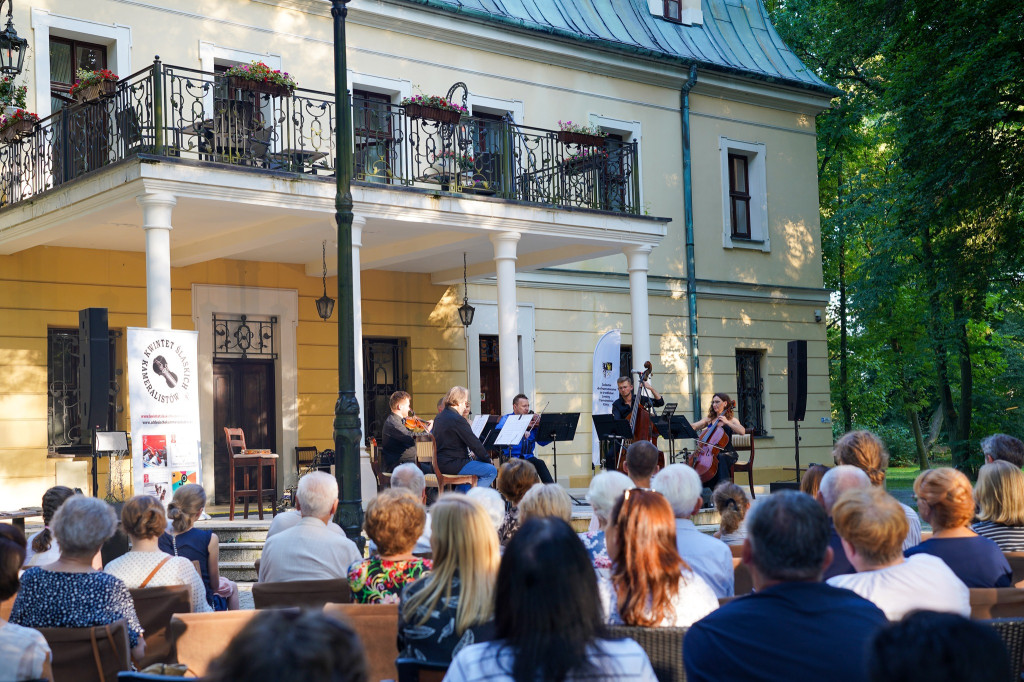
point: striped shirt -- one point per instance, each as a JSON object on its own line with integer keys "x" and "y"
{"x": 1009, "y": 538}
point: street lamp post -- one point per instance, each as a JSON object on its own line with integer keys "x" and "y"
{"x": 346, "y": 409}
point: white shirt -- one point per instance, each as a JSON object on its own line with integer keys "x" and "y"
{"x": 308, "y": 551}
{"x": 33, "y": 558}
{"x": 23, "y": 652}
{"x": 290, "y": 519}
{"x": 621, "y": 659}
{"x": 133, "y": 567}
{"x": 694, "y": 600}
{"x": 914, "y": 528}
{"x": 422, "y": 544}
{"x": 922, "y": 582}
{"x": 709, "y": 557}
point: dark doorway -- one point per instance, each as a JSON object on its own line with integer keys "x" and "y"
{"x": 383, "y": 374}
{"x": 243, "y": 397}
{"x": 490, "y": 376}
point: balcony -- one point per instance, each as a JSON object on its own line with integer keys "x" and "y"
{"x": 170, "y": 113}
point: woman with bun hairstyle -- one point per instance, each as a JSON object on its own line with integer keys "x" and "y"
{"x": 143, "y": 519}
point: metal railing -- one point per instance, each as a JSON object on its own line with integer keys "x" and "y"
{"x": 172, "y": 111}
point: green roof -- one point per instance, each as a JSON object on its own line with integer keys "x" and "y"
{"x": 736, "y": 37}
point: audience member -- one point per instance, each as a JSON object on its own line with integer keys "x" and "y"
{"x": 793, "y": 627}
{"x": 872, "y": 526}
{"x": 492, "y": 502}
{"x": 834, "y": 483}
{"x": 547, "y": 617}
{"x": 394, "y": 520}
{"x": 42, "y": 548}
{"x": 732, "y": 505}
{"x": 24, "y": 651}
{"x": 605, "y": 490}
{"x": 459, "y": 451}
{"x": 938, "y": 647}
{"x": 999, "y": 446}
{"x": 641, "y": 463}
{"x": 545, "y": 499}
{"x": 70, "y": 593}
{"x": 310, "y": 550}
{"x": 1000, "y": 494}
{"x": 281, "y": 645}
{"x": 143, "y": 519}
{"x": 811, "y": 480}
{"x": 651, "y": 585}
{"x": 290, "y": 518}
{"x": 410, "y": 478}
{"x": 453, "y": 606}
{"x": 946, "y": 502}
{"x": 515, "y": 478}
{"x": 706, "y": 556}
{"x": 200, "y": 546}
{"x": 866, "y": 451}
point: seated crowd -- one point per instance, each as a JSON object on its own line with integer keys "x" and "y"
{"x": 499, "y": 586}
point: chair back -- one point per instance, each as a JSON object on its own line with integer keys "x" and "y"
{"x": 93, "y": 654}
{"x": 1016, "y": 560}
{"x": 426, "y": 449}
{"x": 235, "y": 439}
{"x": 155, "y": 606}
{"x": 304, "y": 457}
{"x": 377, "y": 627}
{"x": 997, "y": 602}
{"x": 1011, "y": 630}
{"x": 310, "y": 593}
{"x": 415, "y": 670}
{"x": 198, "y": 638}
{"x": 663, "y": 646}
{"x": 377, "y": 466}
{"x": 737, "y": 551}
{"x": 744, "y": 583}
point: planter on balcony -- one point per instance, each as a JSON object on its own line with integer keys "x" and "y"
{"x": 583, "y": 139}
{"x": 96, "y": 91}
{"x": 261, "y": 87}
{"x": 449, "y": 116}
{"x": 17, "y": 130}
{"x": 581, "y": 164}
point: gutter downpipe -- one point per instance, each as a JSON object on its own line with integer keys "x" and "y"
{"x": 691, "y": 276}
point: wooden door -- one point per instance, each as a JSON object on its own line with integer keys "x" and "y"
{"x": 490, "y": 376}
{"x": 243, "y": 397}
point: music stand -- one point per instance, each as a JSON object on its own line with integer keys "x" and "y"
{"x": 663, "y": 424}
{"x": 106, "y": 442}
{"x": 609, "y": 429}
{"x": 558, "y": 426}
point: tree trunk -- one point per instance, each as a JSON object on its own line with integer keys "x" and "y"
{"x": 915, "y": 427}
{"x": 937, "y": 334}
{"x": 962, "y": 444}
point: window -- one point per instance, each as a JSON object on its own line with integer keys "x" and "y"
{"x": 625, "y": 360}
{"x": 64, "y": 423}
{"x": 750, "y": 391}
{"x": 744, "y": 195}
{"x": 673, "y": 10}
{"x": 373, "y": 126}
{"x": 66, "y": 57}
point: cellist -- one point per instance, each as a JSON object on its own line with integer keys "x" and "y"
{"x": 721, "y": 409}
{"x": 622, "y": 408}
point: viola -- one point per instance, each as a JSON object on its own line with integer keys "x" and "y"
{"x": 414, "y": 423}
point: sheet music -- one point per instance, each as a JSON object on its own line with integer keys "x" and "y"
{"x": 479, "y": 422}
{"x": 514, "y": 429}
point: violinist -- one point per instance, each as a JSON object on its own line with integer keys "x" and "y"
{"x": 622, "y": 408}
{"x": 526, "y": 447}
{"x": 721, "y": 410}
{"x": 397, "y": 444}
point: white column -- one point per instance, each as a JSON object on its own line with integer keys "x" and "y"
{"x": 508, "y": 323}
{"x": 637, "y": 264}
{"x": 156, "y": 221}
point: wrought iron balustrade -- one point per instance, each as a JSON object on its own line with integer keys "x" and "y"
{"x": 171, "y": 111}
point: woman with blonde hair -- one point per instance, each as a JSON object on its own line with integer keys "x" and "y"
{"x": 867, "y": 452}
{"x": 453, "y": 606}
{"x": 1000, "y": 495}
{"x": 200, "y": 546}
{"x": 545, "y": 499}
{"x": 946, "y": 501}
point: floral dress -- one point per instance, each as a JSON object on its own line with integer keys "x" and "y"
{"x": 429, "y": 635}
{"x": 597, "y": 549}
{"x": 379, "y": 581}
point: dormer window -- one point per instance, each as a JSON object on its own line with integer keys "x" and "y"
{"x": 673, "y": 10}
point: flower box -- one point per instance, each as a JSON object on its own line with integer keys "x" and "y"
{"x": 261, "y": 87}
{"x": 448, "y": 116}
{"x": 96, "y": 91}
{"x": 582, "y": 139}
{"x": 17, "y": 130}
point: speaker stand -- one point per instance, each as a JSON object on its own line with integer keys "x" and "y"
{"x": 796, "y": 446}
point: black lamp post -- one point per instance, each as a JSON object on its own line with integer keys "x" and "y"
{"x": 346, "y": 409}
{"x": 12, "y": 47}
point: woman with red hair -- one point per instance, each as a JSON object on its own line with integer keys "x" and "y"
{"x": 650, "y": 584}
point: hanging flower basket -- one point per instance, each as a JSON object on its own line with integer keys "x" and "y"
{"x": 17, "y": 125}
{"x": 96, "y": 91}
{"x": 582, "y": 139}
{"x": 449, "y": 116}
{"x": 261, "y": 87}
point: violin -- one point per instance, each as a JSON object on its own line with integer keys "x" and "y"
{"x": 712, "y": 441}
{"x": 414, "y": 423}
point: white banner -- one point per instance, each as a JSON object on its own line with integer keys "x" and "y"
{"x": 163, "y": 397}
{"x": 606, "y": 391}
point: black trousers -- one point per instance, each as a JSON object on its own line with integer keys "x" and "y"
{"x": 542, "y": 469}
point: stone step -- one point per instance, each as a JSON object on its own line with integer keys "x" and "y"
{"x": 252, "y": 530}
{"x": 240, "y": 551}
{"x": 239, "y": 571}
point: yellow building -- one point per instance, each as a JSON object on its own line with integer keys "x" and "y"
{"x": 183, "y": 201}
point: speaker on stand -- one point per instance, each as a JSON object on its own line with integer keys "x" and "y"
{"x": 93, "y": 372}
{"x": 796, "y": 375}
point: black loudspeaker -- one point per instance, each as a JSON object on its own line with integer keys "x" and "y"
{"x": 93, "y": 372}
{"x": 797, "y": 375}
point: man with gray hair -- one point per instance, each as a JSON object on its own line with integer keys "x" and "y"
{"x": 834, "y": 483}
{"x": 709, "y": 557}
{"x": 789, "y": 628}
{"x": 409, "y": 477}
{"x": 310, "y": 550}
{"x": 1001, "y": 446}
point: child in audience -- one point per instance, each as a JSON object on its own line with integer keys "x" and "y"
{"x": 394, "y": 521}
{"x": 42, "y": 547}
{"x": 732, "y": 505}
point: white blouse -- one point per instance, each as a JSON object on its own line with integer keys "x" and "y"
{"x": 694, "y": 600}
{"x": 23, "y": 651}
{"x": 133, "y": 567}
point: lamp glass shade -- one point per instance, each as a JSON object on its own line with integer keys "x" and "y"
{"x": 325, "y": 306}
{"x": 12, "y": 51}
{"x": 466, "y": 312}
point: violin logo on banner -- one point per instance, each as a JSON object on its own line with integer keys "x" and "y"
{"x": 166, "y": 371}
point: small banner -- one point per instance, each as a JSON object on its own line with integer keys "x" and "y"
{"x": 163, "y": 397}
{"x": 606, "y": 391}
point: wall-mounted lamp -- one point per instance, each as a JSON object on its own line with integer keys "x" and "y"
{"x": 817, "y": 316}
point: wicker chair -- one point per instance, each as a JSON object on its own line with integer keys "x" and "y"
{"x": 1012, "y": 632}
{"x": 663, "y": 646}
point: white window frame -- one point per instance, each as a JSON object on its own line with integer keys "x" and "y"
{"x": 211, "y": 54}
{"x": 632, "y": 131}
{"x": 117, "y": 39}
{"x": 690, "y": 11}
{"x": 756, "y": 155}
{"x": 497, "y": 105}
{"x": 395, "y": 88}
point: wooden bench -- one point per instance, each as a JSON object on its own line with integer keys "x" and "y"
{"x": 18, "y": 517}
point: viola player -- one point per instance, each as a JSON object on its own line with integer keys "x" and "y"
{"x": 397, "y": 444}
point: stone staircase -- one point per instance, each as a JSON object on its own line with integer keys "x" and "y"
{"x": 241, "y": 544}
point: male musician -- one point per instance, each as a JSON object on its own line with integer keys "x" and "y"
{"x": 622, "y": 408}
{"x": 397, "y": 444}
{"x": 525, "y": 448}
{"x": 455, "y": 440}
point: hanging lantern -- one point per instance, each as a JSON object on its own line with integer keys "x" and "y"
{"x": 466, "y": 311}
{"x": 12, "y": 46}
{"x": 325, "y": 304}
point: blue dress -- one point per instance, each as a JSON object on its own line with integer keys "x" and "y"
{"x": 977, "y": 561}
{"x": 53, "y": 599}
{"x": 194, "y": 545}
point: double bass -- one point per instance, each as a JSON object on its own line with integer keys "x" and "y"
{"x": 715, "y": 438}
{"x": 640, "y": 423}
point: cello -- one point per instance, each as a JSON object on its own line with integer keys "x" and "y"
{"x": 640, "y": 423}
{"x": 712, "y": 441}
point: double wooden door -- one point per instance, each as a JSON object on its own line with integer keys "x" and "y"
{"x": 243, "y": 397}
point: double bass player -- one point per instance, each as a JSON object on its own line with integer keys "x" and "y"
{"x": 622, "y": 408}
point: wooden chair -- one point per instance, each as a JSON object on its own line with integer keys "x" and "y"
{"x": 377, "y": 466}
{"x": 425, "y": 446}
{"x": 744, "y": 582}
{"x": 198, "y": 638}
{"x": 1011, "y": 630}
{"x": 444, "y": 481}
{"x": 744, "y": 443}
{"x": 312, "y": 593}
{"x": 1016, "y": 560}
{"x": 87, "y": 654}
{"x": 376, "y": 625}
{"x": 155, "y": 606}
{"x": 304, "y": 458}
{"x": 415, "y": 670}
{"x": 663, "y": 646}
{"x": 237, "y": 457}
{"x": 996, "y": 602}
